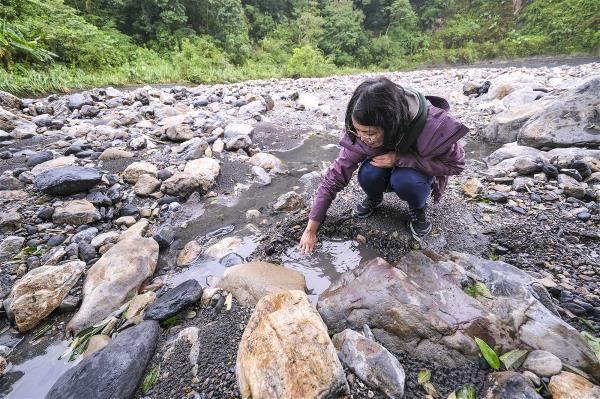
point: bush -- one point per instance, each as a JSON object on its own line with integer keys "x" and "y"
{"x": 308, "y": 61}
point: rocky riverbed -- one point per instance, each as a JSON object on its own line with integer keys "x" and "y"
{"x": 152, "y": 225}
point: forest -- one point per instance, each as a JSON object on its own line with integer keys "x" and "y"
{"x": 48, "y": 45}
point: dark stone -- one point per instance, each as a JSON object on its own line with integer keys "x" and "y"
{"x": 38, "y": 158}
{"x": 69, "y": 304}
{"x": 164, "y": 174}
{"x": 85, "y": 154}
{"x": 589, "y": 195}
{"x": 113, "y": 372}
{"x": 115, "y": 192}
{"x": 566, "y": 296}
{"x": 56, "y": 240}
{"x": 231, "y": 259}
{"x": 86, "y": 234}
{"x": 72, "y": 250}
{"x": 585, "y": 216}
{"x": 582, "y": 167}
{"x": 129, "y": 210}
{"x": 10, "y": 183}
{"x": 89, "y": 111}
{"x": 588, "y": 307}
{"x": 87, "y": 251}
{"x": 98, "y": 199}
{"x": 509, "y": 384}
{"x": 550, "y": 170}
{"x": 167, "y": 199}
{"x": 174, "y": 300}
{"x": 200, "y": 102}
{"x": 498, "y": 197}
{"x": 67, "y": 180}
{"x": 501, "y": 250}
{"x": 535, "y": 197}
{"x": 573, "y": 173}
{"x": 574, "y": 308}
{"x": 76, "y": 147}
{"x": 164, "y": 237}
{"x": 33, "y": 262}
{"x": 10, "y": 339}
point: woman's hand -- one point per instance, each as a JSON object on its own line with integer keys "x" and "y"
{"x": 387, "y": 160}
{"x": 309, "y": 238}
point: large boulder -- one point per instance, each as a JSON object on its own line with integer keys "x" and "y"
{"x": 510, "y": 151}
{"x": 504, "y": 128}
{"x": 251, "y": 281}
{"x": 41, "y": 291}
{"x": 113, "y": 372}
{"x": 66, "y": 180}
{"x": 419, "y": 307}
{"x": 116, "y": 277}
{"x": 285, "y": 352}
{"x": 571, "y": 120}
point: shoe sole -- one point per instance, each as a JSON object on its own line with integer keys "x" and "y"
{"x": 367, "y": 215}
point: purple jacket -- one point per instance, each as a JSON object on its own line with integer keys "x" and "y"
{"x": 436, "y": 153}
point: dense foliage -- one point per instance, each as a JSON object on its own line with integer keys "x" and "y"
{"x": 55, "y": 44}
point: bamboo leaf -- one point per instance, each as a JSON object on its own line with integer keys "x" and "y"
{"x": 593, "y": 343}
{"x": 513, "y": 359}
{"x": 150, "y": 379}
{"x": 488, "y": 354}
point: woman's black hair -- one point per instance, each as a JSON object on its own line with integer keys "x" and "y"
{"x": 382, "y": 103}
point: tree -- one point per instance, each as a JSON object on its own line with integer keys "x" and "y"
{"x": 344, "y": 35}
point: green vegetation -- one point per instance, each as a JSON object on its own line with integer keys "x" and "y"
{"x": 54, "y": 45}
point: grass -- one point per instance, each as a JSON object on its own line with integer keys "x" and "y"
{"x": 27, "y": 81}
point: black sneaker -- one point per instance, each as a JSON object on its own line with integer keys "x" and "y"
{"x": 366, "y": 207}
{"x": 418, "y": 222}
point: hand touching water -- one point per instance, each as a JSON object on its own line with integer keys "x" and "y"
{"x": 309, "y": 238}
{"x": 387, "y": 160}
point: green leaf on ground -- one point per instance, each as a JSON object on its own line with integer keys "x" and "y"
{"x": 424, "y": 376}
{"x": 150, "y": 378}
{"x": 513, "y": 359}
{"x": 467, "y": 392}
{"x": 171, "y": 321}
{"x": 593, "y": 343}
{"x": 41, "y": 330}
{"x": 478, "y": 289}
{"x": 81, "y": 340}
{"x": 488, "y": 354}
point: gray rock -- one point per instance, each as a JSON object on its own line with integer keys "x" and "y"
{"x": 191, "y": 149}
{"x": 521, "y": 183}
{"x": 10, "y": 220}
{"x": 423, "y": 294}
{"x": 570, "y": 186}
{"x": 67, "y": 180}
{"x": 231, "y": 259}
{"x": 85, "y": 235}
{"x": 371, "y": 362}
{"x": 174, "y": 301}
{"x": 238, "y": 129}
{"x": 512, "y": 150}
{"x": 569, "y": 121}
{"x": 76, "y": 212}
{"x": 39, "y": 157}
{"x": 505, "y": 127}
{"x": 262, "y": 177}
{"x": 113, "y": 372}
{"x": 180, "y": 132}
{"x": 509, "y": 385}
{"x": 289, "y": 201}
{"x": 8, "y": 100}
{"x": 240, "y": 142}
{"x": 164, "y": 236}
{"x": 78, "y": 100}
{"x": 10, "y": 246}
{"x": 526, "y": 166}
{"x": 542, "y": 363}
